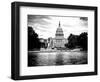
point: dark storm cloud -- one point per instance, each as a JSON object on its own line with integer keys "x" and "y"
{"x": 84, "y": 18}
{"x": 84, "y": 21}
{"x": 39, "y": 22}
{"x": 40, "y": 19}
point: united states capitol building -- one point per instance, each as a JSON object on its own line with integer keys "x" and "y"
{"x": 59, "y": 41}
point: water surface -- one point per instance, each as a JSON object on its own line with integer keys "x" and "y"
{"x": 57, "y": 58}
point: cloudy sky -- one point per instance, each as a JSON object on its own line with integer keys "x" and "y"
{"x": 45, "y": 26}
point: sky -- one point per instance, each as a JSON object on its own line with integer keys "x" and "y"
{"x": 45, "y": 26}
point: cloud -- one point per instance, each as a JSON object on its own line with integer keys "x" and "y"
{"x": 46, "y": 26}
{"x": 37, "y": 19}
{"x": 84, "y": 21}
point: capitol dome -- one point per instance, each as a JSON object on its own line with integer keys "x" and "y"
{"x": 59, "y": 41}
{"x": 59, "y": 31}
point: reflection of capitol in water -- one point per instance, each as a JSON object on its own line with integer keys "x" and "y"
{"x": 59, "y": 41}
{"x": 56, "y": 58}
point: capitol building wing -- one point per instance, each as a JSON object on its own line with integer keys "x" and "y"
{"x": 59, "y": 41}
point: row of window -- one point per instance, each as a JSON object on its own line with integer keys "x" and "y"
{"x": 59, "y": 34}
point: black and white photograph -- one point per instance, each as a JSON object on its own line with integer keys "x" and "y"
{"x": 53, "y": 40}
{"x": 57, "y": 40}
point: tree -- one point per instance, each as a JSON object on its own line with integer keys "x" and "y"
{"x": 72, "y": 41}
{"x": 83, "y": 40}
{"x": 33, "y": 40}
{"x": 77, "y": 41}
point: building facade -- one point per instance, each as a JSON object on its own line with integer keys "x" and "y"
{"x": 59, "y": 41}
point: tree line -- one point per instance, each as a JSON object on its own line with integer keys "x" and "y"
{"x": 78, "y": 41}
